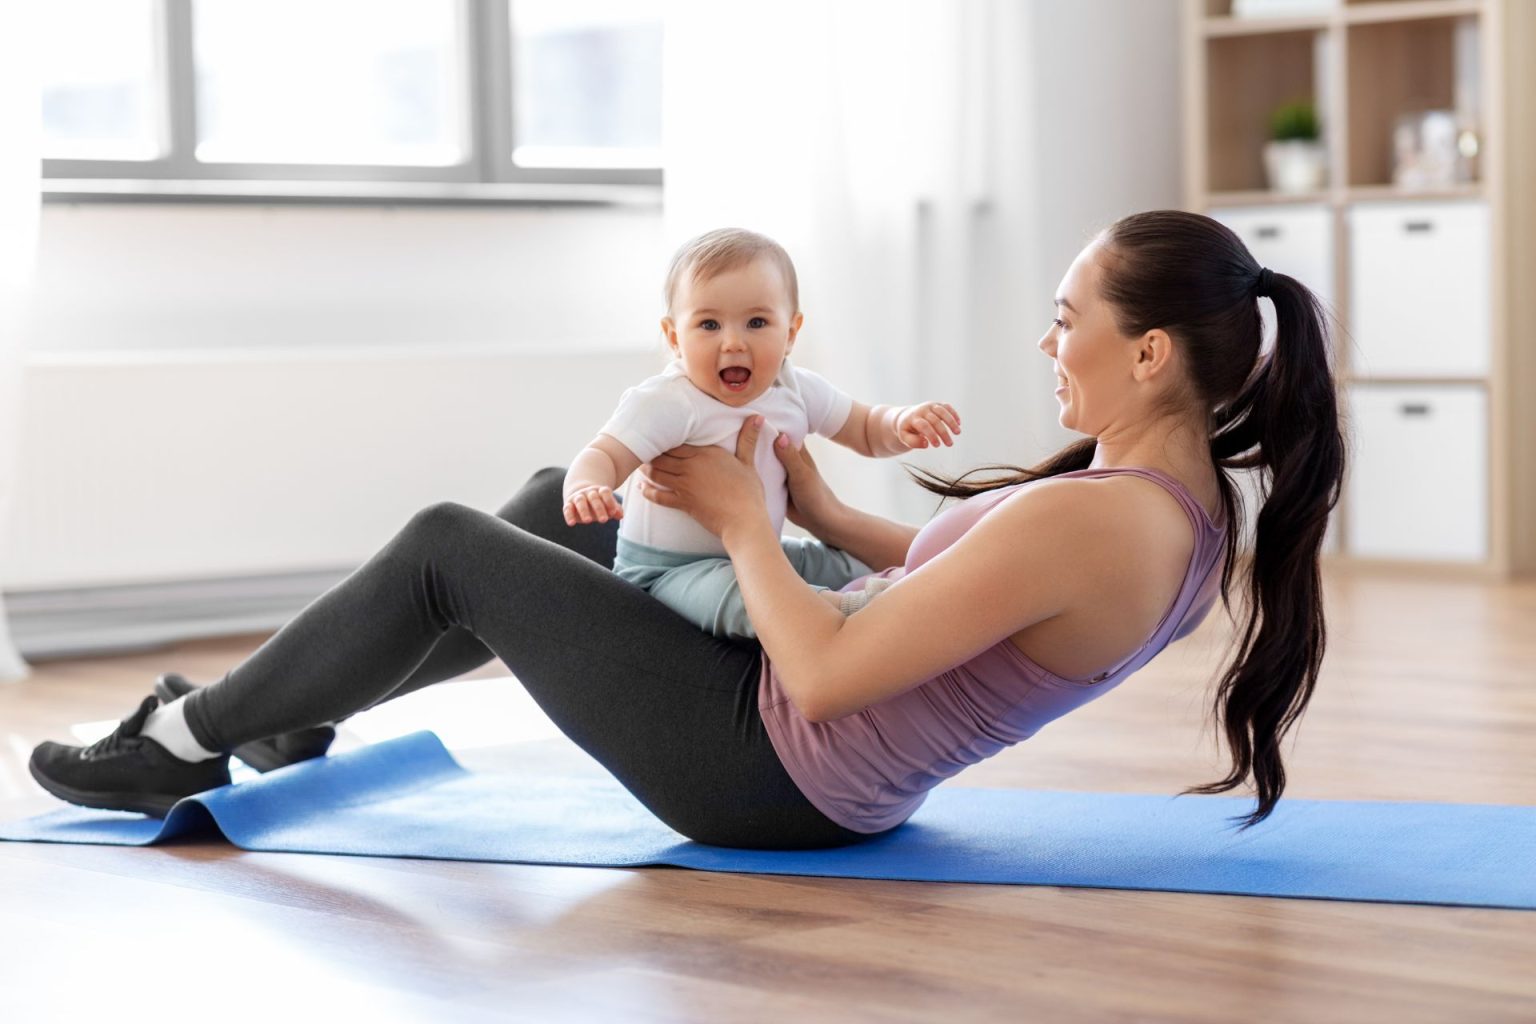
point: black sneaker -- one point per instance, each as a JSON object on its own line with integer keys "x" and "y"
{"x": 125, "y": 771}
{"x": 264, "y": 755}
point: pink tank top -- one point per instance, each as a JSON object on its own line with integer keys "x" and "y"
{"x": 870, "y": 770}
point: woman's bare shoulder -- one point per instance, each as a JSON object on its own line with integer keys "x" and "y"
{"x": 1117, "y": 538}
{"x": 1112, "y": 497}
{"x": 1129, "y": 546}
{"x": 1106, "y": 499}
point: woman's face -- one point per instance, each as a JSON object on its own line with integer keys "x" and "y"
{"x": 1093, "y": 359}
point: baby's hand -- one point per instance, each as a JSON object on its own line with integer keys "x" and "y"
{"x": 594, "y": 504}
{"x": 927, "y": 425}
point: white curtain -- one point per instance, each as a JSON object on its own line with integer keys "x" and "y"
{"x": 19, "y": 200}
{"x": 880, "y": 142}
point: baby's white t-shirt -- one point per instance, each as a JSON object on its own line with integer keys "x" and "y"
{"x": 667, "y": 410}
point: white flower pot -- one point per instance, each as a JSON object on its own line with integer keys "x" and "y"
{"x": 1296, "y": 165}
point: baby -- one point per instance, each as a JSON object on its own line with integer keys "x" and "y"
{"x": 733, "y": 311}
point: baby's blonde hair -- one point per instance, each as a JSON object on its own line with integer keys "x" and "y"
{"x": 715, "y": 252}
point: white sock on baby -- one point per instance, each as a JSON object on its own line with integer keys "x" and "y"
{"x": 853, "y": 600}
{"x": 167, "y": 726}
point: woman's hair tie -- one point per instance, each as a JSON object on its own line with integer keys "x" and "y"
{"x": 1264, "y": 286}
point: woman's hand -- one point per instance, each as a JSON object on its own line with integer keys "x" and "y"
{"x": 716, "y": 488}
{"x": 811, "y": 502}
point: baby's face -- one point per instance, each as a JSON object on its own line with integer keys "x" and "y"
{"x": 733, "y": 331}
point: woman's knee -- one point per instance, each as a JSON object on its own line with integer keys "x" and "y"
{"x": 430, "y": 526}
{"x": 449, "y": 533}
{"x": 441, "y": 515}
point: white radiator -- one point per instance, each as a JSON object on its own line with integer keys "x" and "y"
{"x": 177, "y": 466}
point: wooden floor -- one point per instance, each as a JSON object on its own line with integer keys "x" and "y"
{"x": 1429, "y": 693}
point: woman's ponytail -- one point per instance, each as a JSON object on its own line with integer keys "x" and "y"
{"x": 1285, "y": 422}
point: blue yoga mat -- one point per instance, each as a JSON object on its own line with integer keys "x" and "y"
{"x": 408, "y": 797}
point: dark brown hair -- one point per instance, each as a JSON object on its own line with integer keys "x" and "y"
{"x": 1192, "y": 277}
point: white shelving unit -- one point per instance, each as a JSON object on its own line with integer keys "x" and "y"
{"x": 1435, "y": 288}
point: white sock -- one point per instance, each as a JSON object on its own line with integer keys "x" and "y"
{"x": 167, "y": 726}
{"x": 853, "y": 600}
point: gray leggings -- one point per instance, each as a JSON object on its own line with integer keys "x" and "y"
{"x": 668, "y": 709}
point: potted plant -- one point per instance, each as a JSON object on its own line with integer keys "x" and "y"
{"x": 1294, "y": 158}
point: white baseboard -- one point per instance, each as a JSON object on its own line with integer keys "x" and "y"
{"x": 124, "y": 618}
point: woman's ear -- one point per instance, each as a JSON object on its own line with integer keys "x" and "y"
{"x": 1154, "y": 355}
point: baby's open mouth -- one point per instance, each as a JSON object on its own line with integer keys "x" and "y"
{"x": 735, "y": 378}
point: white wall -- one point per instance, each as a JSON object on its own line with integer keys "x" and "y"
{"x": 1090, "y": 131}
{"x": 129, "y": 277}
{"x": 1105, "y": 118}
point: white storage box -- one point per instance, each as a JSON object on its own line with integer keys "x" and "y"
{"x": 1293, "y": 240}
{"x": 1419, "y": 289}
{"x": 1417, "y": 487}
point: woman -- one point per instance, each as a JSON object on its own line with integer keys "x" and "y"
{"x": 1042, "y": 590}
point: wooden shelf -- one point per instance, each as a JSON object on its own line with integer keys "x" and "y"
{"x": 1375, "y": 193}
{"x": 1264, "y": 197}
{"x": 1397, "y": 67}
{"x": 1341, "y": 197}
{"x": 1376, "y": 12}
{"x": 1259, "y": 73}
{"x": 1226, "y": 25}
{"x": 1409, "y": 10}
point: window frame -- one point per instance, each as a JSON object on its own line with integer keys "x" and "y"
{"x": 487, "y": 172}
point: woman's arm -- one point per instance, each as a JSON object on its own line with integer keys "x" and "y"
{"x": 1036, "y": 553}
{"x": 878, "y": 543}
{"x": 1033, "y": 556}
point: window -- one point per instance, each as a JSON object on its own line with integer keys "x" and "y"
{"x": 98, "y": 93}
{"x": 368, "y": 97}
{"x": 587, "y": 84}
{"x": 363, "y": 82}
